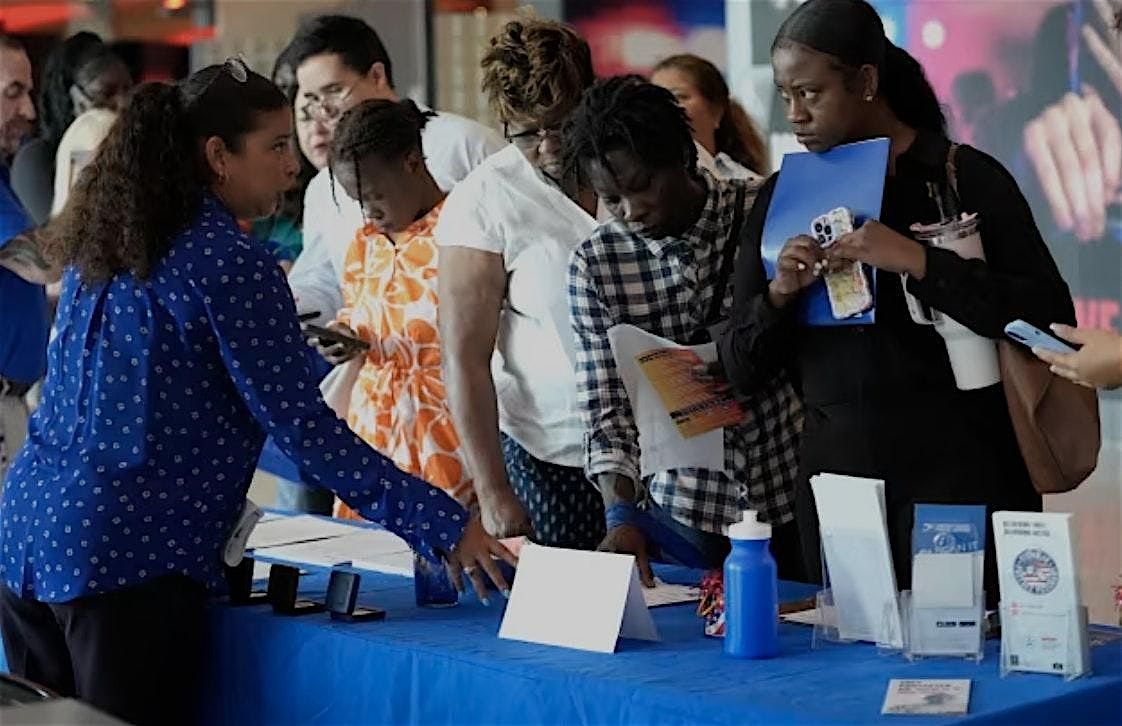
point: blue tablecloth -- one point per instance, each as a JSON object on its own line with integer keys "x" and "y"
{"x": 448, "y": 666}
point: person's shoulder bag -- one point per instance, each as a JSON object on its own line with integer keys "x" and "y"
{"x": 1055, "y": 420}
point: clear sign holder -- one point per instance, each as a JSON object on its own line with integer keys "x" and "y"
{"x": 1036, "y": 641}
{"x": 827, "y": 628}
{"x": 942, "y": 632}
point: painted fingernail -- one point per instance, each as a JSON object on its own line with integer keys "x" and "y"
{"x": 802, "y": 267}
{"x": 485, "y": 602}
{"x": 506, "y": 594}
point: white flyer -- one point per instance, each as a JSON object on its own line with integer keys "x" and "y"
{"x": 1043, "y": 623}
{"x": 927, "y": 697}
{"x": 858, "y": 558}
{"x": 661, "y": 446}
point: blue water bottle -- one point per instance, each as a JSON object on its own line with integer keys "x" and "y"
{"x": 751, "y": 591}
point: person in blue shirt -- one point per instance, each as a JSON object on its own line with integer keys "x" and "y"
{"x": 177, "y": 351}
{"x": 23, "y": 303}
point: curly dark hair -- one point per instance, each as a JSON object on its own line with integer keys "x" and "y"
{"x": 536, "y": 69}
{"x": 628, "y": 112}
{"x": 147, "y": 180}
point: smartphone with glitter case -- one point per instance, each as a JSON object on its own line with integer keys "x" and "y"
{"x": 848, "y": 289}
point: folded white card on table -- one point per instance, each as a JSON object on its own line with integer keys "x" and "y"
{"x": 576, "y": 599}
{"x": 858, "y": 558}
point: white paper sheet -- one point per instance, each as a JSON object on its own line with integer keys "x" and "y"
{"x": 664, "y": 593}
{"x": 390, "y": 563}
{"x": 364, "y": 545}
{"x": 858, "y": 558}
{"x": 576, "y": 599}
{"x": 281, "y": 530}
{"x": 802, "y": 617}
{"x": 944, "y": 579}
{"x": 661, "y": 445}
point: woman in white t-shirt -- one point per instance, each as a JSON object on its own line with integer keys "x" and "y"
{"x": 506, "y": 234}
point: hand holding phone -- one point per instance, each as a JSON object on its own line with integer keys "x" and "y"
{"x": 849, "y": 290}
{"x": 1033, "y": 337}
{"x": 336, "y": 346}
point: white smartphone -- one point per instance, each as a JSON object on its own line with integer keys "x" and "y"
{"x": 1034, "y": 337}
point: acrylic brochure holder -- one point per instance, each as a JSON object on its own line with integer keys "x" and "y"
{"x": 943, "y": 632}
{"x": 830, "y": 628}
{"x": 1053, "y": 642}
{"x": 860, "y": 599}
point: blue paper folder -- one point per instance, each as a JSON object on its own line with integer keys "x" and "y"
{"x": 809, "y": 185}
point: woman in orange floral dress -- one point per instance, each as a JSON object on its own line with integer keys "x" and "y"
{"x": 398, "y": 403}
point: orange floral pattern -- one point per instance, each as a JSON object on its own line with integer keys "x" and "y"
{"x": 398, "y": 404}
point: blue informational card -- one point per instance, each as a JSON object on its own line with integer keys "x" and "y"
{"x": 952, "y": 528}
{"x": 810, "y": 185}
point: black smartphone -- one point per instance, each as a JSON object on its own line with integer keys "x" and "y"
{"x": 333, "y": 336}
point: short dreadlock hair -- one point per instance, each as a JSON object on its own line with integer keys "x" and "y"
{"x": 628, "y": 112}
{"x": 388, "y": 129}
{"x": 535, "y": 69}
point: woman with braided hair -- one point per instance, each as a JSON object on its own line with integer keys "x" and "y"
{"x": 398, "y": 404}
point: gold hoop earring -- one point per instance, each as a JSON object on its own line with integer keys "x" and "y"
{"x": 869, "y": 98}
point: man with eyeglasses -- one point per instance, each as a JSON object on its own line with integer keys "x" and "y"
{"x": 23, "y": 302}
{"x": 341, "y": 62}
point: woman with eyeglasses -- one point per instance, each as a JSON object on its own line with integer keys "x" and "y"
{"x": 177, "y": 350}
{"x": 81, "y": 74}
{"x": 506, "y": 233}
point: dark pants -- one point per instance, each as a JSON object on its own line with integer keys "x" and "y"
{"x": 136, "y": 653}
{"x": 564, "y": 508}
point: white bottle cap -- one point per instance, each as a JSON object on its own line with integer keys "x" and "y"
{"x": 750, "y": 527}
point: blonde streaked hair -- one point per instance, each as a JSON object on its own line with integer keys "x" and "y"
{"x": 535, "y": 69}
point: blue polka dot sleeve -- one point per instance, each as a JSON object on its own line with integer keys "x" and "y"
{"x": 254, "y": 319}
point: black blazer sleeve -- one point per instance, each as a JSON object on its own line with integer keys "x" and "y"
{"x": 1019, "y": 278}
{"x": 759, "y": 340}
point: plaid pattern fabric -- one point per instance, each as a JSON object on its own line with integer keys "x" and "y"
{"x": 665, "y": 287}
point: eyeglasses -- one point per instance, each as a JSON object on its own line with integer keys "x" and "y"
{"x": 329, "y": 105}
{"x": 102, "y": 97}
{"x": 531, "y": 139}
{"x": 235, "y": 67}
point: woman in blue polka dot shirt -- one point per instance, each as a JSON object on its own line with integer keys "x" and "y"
{"x": 177, "y": 351}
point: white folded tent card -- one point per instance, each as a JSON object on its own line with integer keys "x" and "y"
{"x": 576, "y": 599}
